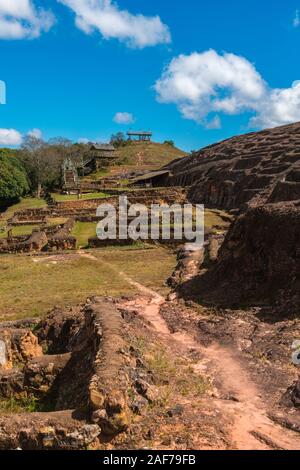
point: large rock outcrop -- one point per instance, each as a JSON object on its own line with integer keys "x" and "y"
{"x": 258, "y": 263}
{"x": 245, "y": 170}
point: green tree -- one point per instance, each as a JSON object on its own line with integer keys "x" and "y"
{"x": 13, "y": 178}
{"x": 169, "y": 142}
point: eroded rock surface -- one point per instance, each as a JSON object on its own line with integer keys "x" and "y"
{"x": 246, "y": 170}
{"x": 258, "y": 263}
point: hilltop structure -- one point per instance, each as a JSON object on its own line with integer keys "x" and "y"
{"x": 141, "y": 136}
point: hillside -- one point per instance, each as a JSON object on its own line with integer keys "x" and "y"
{"x": 245, "y": 170}
{"x": 150, "y": 154}
{"x": 141, "y": 156}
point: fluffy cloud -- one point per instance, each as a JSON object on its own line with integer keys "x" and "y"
{"x": 106, "y": 17}
{"x": 10, "y": 137}
{"x": 37, "y": 133}
{"x": 124, "y": 118}
{"x": 281, "y": 106}
{"x": 204, "y": 83}
{"x": 208, "y": 82}
{"x": 20, "y": 19}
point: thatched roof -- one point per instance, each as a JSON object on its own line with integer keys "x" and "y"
{"x": 152, "y": 175}
{"x": 103, "y": 147}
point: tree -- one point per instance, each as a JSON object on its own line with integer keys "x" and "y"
{"x": 13, "y": 178}
{"x": 43, "y": 161}
{"x": 119, "y": 140}
{"x": 33, "y": 157}
{"x": 169, "y": 142}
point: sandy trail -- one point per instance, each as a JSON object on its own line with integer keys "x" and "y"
{"x": 251, "y": 429}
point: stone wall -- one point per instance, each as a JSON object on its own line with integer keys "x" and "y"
{"x": 88, "y": 340}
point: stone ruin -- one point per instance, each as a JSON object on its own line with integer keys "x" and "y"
{"x": 50, "y": 238}
{"x": 58, "y": 238}
{"x": 74, "y": 367}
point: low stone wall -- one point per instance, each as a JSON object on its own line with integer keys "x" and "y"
{"x": 49, "y": 239}
{"x": 35, "y": 242}
{"x": 89, "y": 341}
{"x": 95, "y": 242}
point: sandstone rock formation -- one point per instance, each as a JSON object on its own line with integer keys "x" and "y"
{"x": 259, "y": 261}
{"x": 257, "y": 175}
{"x": 245, "y": 170}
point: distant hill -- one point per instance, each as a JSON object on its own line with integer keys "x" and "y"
{"x": 141, "y": 156}
{"x": 148, "y": 154}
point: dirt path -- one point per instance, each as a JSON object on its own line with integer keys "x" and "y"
{"x": 251, "y": 429}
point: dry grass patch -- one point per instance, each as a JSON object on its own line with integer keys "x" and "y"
{"x": 30, "y": 289}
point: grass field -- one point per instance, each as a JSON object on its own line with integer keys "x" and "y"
{"x": 73, "y": 197}
{"x": 140, "y": 156}
{"x": 30, "y": 286}
{"x": 25, "y": 203}
{"x": 83, "y": 231}
{"x": 20, "y": 230}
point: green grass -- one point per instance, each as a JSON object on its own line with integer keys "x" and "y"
{"x": 97, "y": 175}
{"x": 25, "y": 203}
{"x": 20, "y": 230}
{"x": 83, "y": 231}
{"x": 150, "y": 267}
{"x": 30, "y": 289}
{"x": 56, "y": 221}
{"x": 26, "y": 404}
{"x": 74, "y": 197}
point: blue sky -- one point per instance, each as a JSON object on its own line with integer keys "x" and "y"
{"x": 233, "y": 66}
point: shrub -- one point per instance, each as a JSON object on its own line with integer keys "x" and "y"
{"x": 13, "y": 179}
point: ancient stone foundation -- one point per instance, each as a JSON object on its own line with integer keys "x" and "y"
{"x": 78, "y": 387}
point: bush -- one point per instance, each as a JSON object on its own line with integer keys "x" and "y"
{"x": 13, "y": 179}
{"x": 169, "y": 142}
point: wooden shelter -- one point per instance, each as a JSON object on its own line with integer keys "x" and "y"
{"x": 153, "y": 179}
{"x": 142, "y": 136}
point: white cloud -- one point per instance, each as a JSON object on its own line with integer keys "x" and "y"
{"x": 214, "y": 123}
{"x": 207, "y": 82}
{"x": 204, "y": 83}
{"x": 106, "y": 17}
{"x": 37, "y": 133}
{"x": 124, "y": 118}
{"x": 20, "y": 19}
{"x": 296, "y": 20}
{"x": 281, "y": 106}
{"x": 10, "y": 137}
